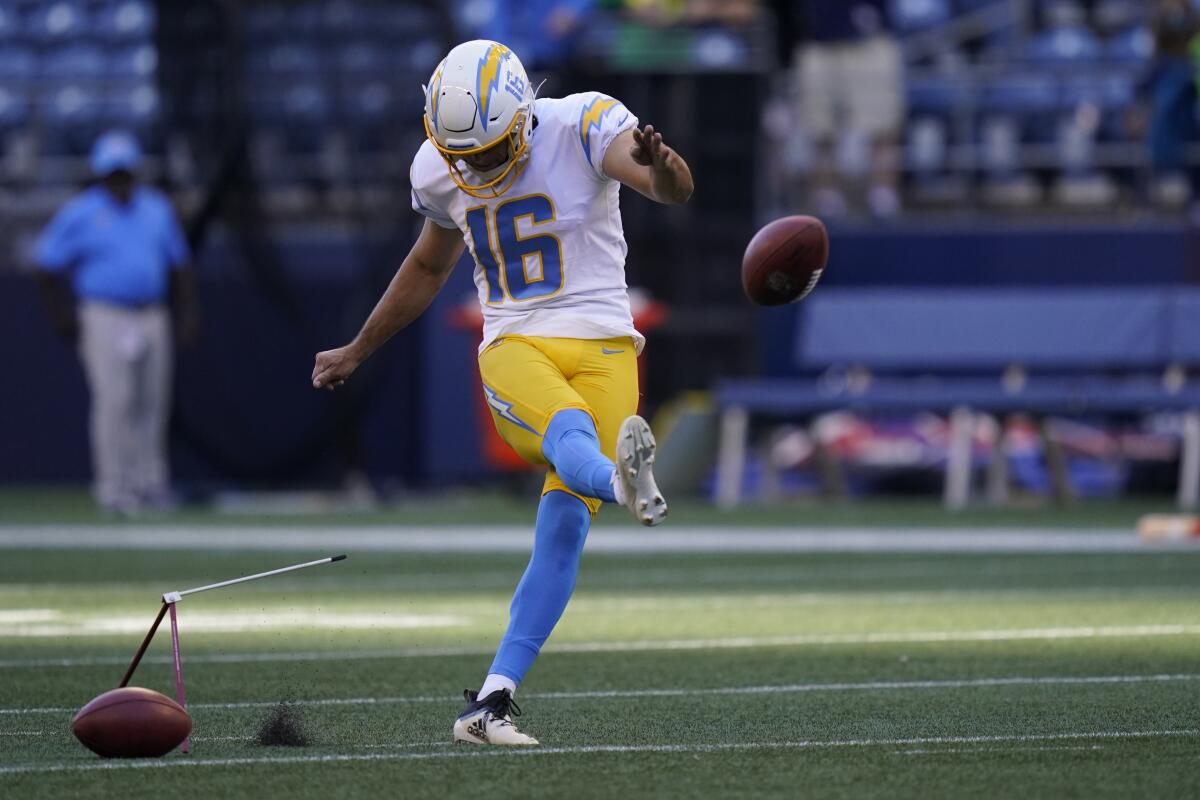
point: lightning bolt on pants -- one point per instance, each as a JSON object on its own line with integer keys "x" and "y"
{"x": 530, "y": 383}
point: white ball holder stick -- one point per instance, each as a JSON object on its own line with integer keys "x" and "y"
{"x": 169, "y": 601}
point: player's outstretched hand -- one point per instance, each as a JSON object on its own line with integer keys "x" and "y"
{"x": 668, "y": 179}
{"x": 333, "y": 367}
{"x": 648, "y": 148}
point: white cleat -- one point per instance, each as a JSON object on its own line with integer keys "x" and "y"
{"x": 489, "y": 721}
{"x": 634, "y": 484}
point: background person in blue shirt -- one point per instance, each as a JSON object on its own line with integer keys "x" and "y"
{"x": 110, "y": 260}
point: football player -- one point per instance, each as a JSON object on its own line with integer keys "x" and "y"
{"x": 531, "y": 186}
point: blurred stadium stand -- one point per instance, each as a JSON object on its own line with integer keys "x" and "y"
{"x": 1017, "y": 104}
{"x": 966, "y": 352}
{"x": 1011, "y": 102}
{"x": 284, "y": 130}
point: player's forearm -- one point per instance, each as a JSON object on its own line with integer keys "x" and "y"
{"x": 408, "y": 295}
{"x": 672, "y": 184}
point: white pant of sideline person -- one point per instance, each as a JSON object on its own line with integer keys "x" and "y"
{"x": 127, "y": 358}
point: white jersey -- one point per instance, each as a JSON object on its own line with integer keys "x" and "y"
{"x": 549, "y": 252}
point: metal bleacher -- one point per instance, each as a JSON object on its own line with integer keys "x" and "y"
{"x": 69, "y": 69}
{"x": 330, "y": 78}
{"x": 82, "y": 65}
{"x": 1021, "y": 103}
{"x": 312, "y": 82}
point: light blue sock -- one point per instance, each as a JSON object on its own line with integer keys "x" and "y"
{"x": 546, "y": 586}
{"x": 572, "y": 446}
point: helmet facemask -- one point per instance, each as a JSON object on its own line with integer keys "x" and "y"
{"x": 498, "y": 180}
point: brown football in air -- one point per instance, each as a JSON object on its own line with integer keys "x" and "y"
{"x": 784, "y": 260}
{"x": 131, "y": 723}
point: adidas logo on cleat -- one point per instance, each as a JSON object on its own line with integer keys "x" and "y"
{"x": 489, "y": 721}
{"x": 478, "y": 729}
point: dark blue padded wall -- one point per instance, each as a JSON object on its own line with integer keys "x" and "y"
{"x": 1184, "y": 339}
{"x": 993, "y": 257}
{"x": 905, "y": 328}
{"x": 999, "y": 254}
{"x": 244, "y": 411}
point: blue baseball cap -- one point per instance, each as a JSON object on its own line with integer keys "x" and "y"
{"x": 115, "y": 150}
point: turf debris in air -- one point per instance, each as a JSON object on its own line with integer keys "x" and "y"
{"x": 283, "y": 726}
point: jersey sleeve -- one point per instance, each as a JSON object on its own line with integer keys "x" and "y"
{"x": 424, "y": 197}
{"x": 60, "y": 244}
{"x": 427, "y": 210}
{"x": 601, "y": 119}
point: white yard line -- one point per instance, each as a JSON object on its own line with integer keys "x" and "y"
{"x": 794, "y": 688}
{"x": 234, "y": 622}
{"x": 641, "y": 575}
{"x": 651, "y": 645}
{"x": 805, "y": 744}
{"x": 518, "y": 539}
{"x": 26, "y": 615}
{"x": 937, "y": 751}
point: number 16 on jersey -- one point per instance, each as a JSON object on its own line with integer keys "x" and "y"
{"x": 532, "y": 264}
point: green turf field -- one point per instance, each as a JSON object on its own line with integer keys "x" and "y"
{"x": 466, "y": 507}
{"x": 671, "y": 675}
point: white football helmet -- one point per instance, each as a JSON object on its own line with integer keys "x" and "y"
{"x": 477, "y": 98}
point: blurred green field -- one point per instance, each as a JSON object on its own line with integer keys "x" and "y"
{"x": 671, "y": 675}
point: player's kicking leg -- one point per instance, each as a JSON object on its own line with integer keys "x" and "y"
{"x": 572, "y": 445}
{"x": 563, "y": 519}
{"x": 633, "y": 483}
{"x": 584, "y": 475}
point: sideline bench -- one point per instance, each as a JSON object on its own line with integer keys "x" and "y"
{"x": 966, "y": 352}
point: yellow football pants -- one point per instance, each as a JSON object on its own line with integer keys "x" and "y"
{"x": 527, "y": 379}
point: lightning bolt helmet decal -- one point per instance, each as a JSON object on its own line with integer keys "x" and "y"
{"x": 488, "y": 79}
